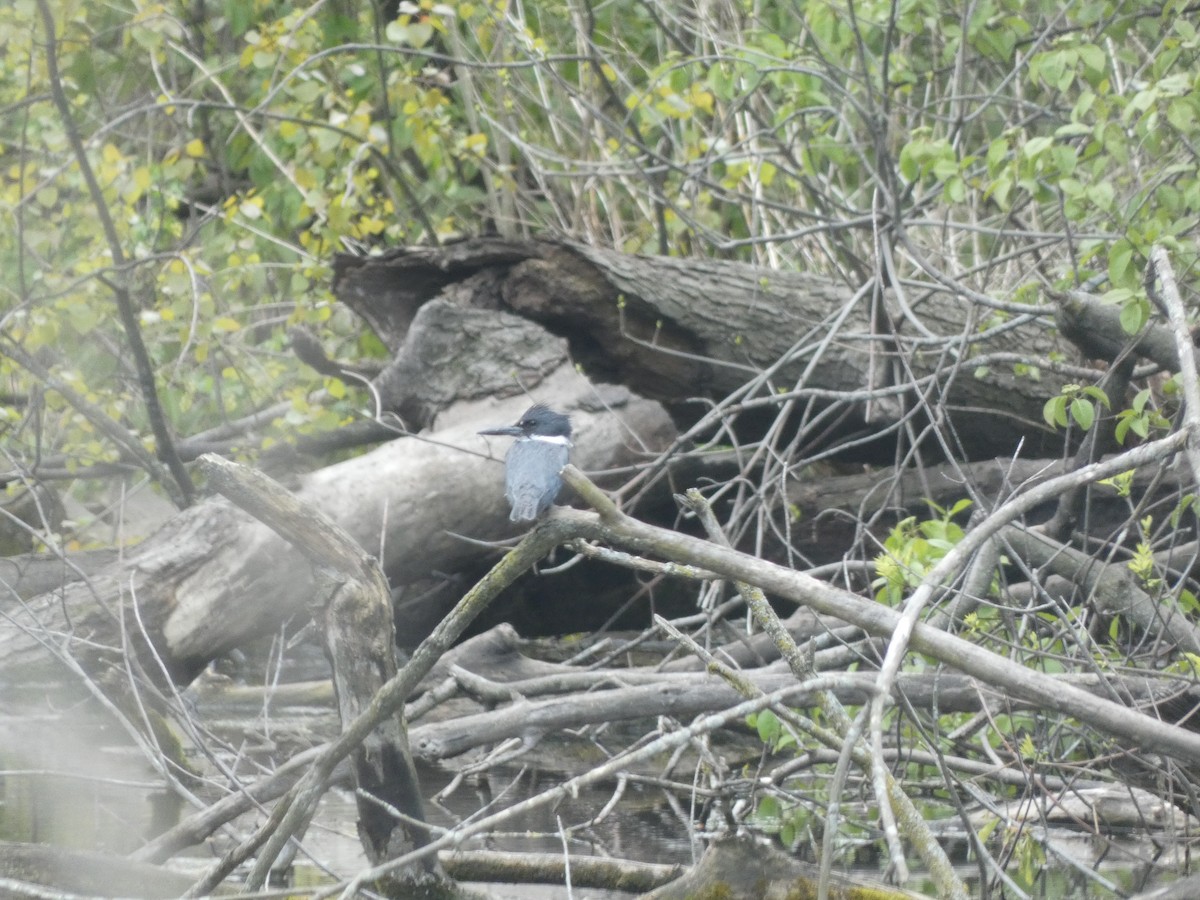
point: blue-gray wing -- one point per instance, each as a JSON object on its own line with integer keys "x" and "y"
{"x": 532, "y": 477}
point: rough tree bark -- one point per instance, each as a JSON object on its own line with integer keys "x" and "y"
{"x": 212, "y": 578}
{"x": 673, "y": 329}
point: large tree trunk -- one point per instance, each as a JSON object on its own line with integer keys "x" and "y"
{"x": 673, "y": 329}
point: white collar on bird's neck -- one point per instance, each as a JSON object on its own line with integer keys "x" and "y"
{"x": 558, "y": 439}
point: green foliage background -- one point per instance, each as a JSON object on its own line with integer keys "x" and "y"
{"x": 238, "y": 145}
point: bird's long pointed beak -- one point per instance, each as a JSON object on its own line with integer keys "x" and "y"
{"x": 506, "y": 431}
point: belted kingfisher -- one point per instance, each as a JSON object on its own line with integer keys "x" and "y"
{"x": 532, "y": 466}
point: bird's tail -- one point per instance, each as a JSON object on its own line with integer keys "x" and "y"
{"x": 523, "y": 512}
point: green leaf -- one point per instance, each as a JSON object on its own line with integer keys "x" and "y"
{"x": 769, "y": 808}
{"x": 1055, "y": 412}
{"x": 1134, "y": 316}
{"x": 909, "y": 167}
{"x": 768, "y": 727}
{"x": 1098, "y": 395}
{"x": 1083, "y": 412}
{"x": 1180, "y": 508}
{"x": 1181, "y": 114}
{"x": 722, "y": 81}
{"x": 987, "y": 828}
{"x": 239, "y": 15}
{"x": 1121, "y": 483}
{"x": 955, "y": 190}
{"x": 1119, "y": 259}
{"x": 1121, "y": 431}
{"x": 1028, "y": 748}
{"x": 1035, "y": 147}
{"x": 997, "y": 154}
{"x": 413, "y": 34}
{"x": 1049, "y": 67}
{"x": 1094, "y": 58}
{"x": 1101, "y": 195}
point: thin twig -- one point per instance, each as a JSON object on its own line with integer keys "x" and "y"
{"x": 1186, "y": 348}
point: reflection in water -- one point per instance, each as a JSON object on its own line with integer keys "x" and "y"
{"x": 72, "y": 780}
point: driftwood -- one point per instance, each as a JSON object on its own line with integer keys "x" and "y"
{"x": 491, "y": 668}
{"x": 354, "y": 612}
{"x": 649, "y": 694}
{"x": 1095, "y": 328}
{"x": 1094, "y": 808}
{"x": 672, "y": 329}
{"x": 466, "y": 321}
{"x": 620, "y": 531}
{"x": 199, "y": 826}
{"x": 1183, "y": 889}
{"x": 1112, "y": 588}
{"x": 827, "y": 509}
{"x": 510, "y": 675}
{"x": 212, "y": 578}
{"x": 905, "y": 491}
{"x": 815, "y": 497}
{"x": 545, "y": 868}
{"x": 292, "y": 814}
{"x": 28, "y": 575}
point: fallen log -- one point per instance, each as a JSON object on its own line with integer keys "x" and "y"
{"x": 212, "y": 578}
{"x": 673, "y": 329}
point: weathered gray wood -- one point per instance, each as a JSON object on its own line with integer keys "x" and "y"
{"x": 354, "y": 612}
{"x": 453, "y": 353}
{"x": 625, "y": 533}
{"x": 1095, "y": 328}
{"x": 1183, "y": 889}
{"x": 212, "y": 579}
{"x": 646, "y": 695}
{"x": 29, "y": 574}
{"x": 672, "y": 328}
{"x": 1112, "y": 588}
{"x": 624, "y": 875}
